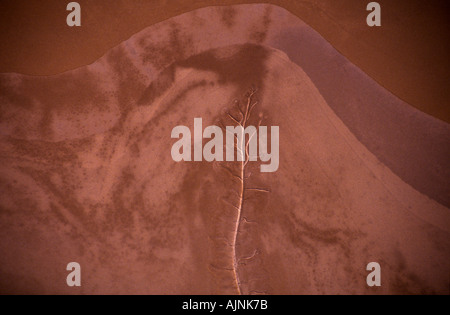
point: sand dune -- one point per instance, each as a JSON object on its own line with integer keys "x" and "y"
{"x": 87, "y": 176}
{"x": 407, "y": 55}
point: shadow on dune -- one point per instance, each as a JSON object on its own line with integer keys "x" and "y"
{"x": 98, "y": 184}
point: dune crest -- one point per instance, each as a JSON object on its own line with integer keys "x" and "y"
{"x": 87, "y": 173}
{"x": 412, "y": 144}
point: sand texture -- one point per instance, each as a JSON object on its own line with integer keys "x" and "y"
{"x": 86, "y": 173}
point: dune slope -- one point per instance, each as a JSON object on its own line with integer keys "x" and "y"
{"x": 87, "y": 174}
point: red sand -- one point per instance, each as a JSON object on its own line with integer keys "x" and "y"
{"x": 87, "y": 176}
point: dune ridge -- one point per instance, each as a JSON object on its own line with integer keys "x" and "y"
{"x": 412, "y": 144}
{"x": 91, "y": 178}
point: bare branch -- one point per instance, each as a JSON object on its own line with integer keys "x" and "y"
{"x": 258, "y": 189}
{"x": 245, "y": 108}
{"x": 251, "y": 107}
{"x": 234, "y": 119}
{"x": 251, "y": 256}
{"x": 230, "y": 172}
{"x": 211, "y": 266}
{"x": 231, "y": 204}
{"x": 222, "y": 239}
